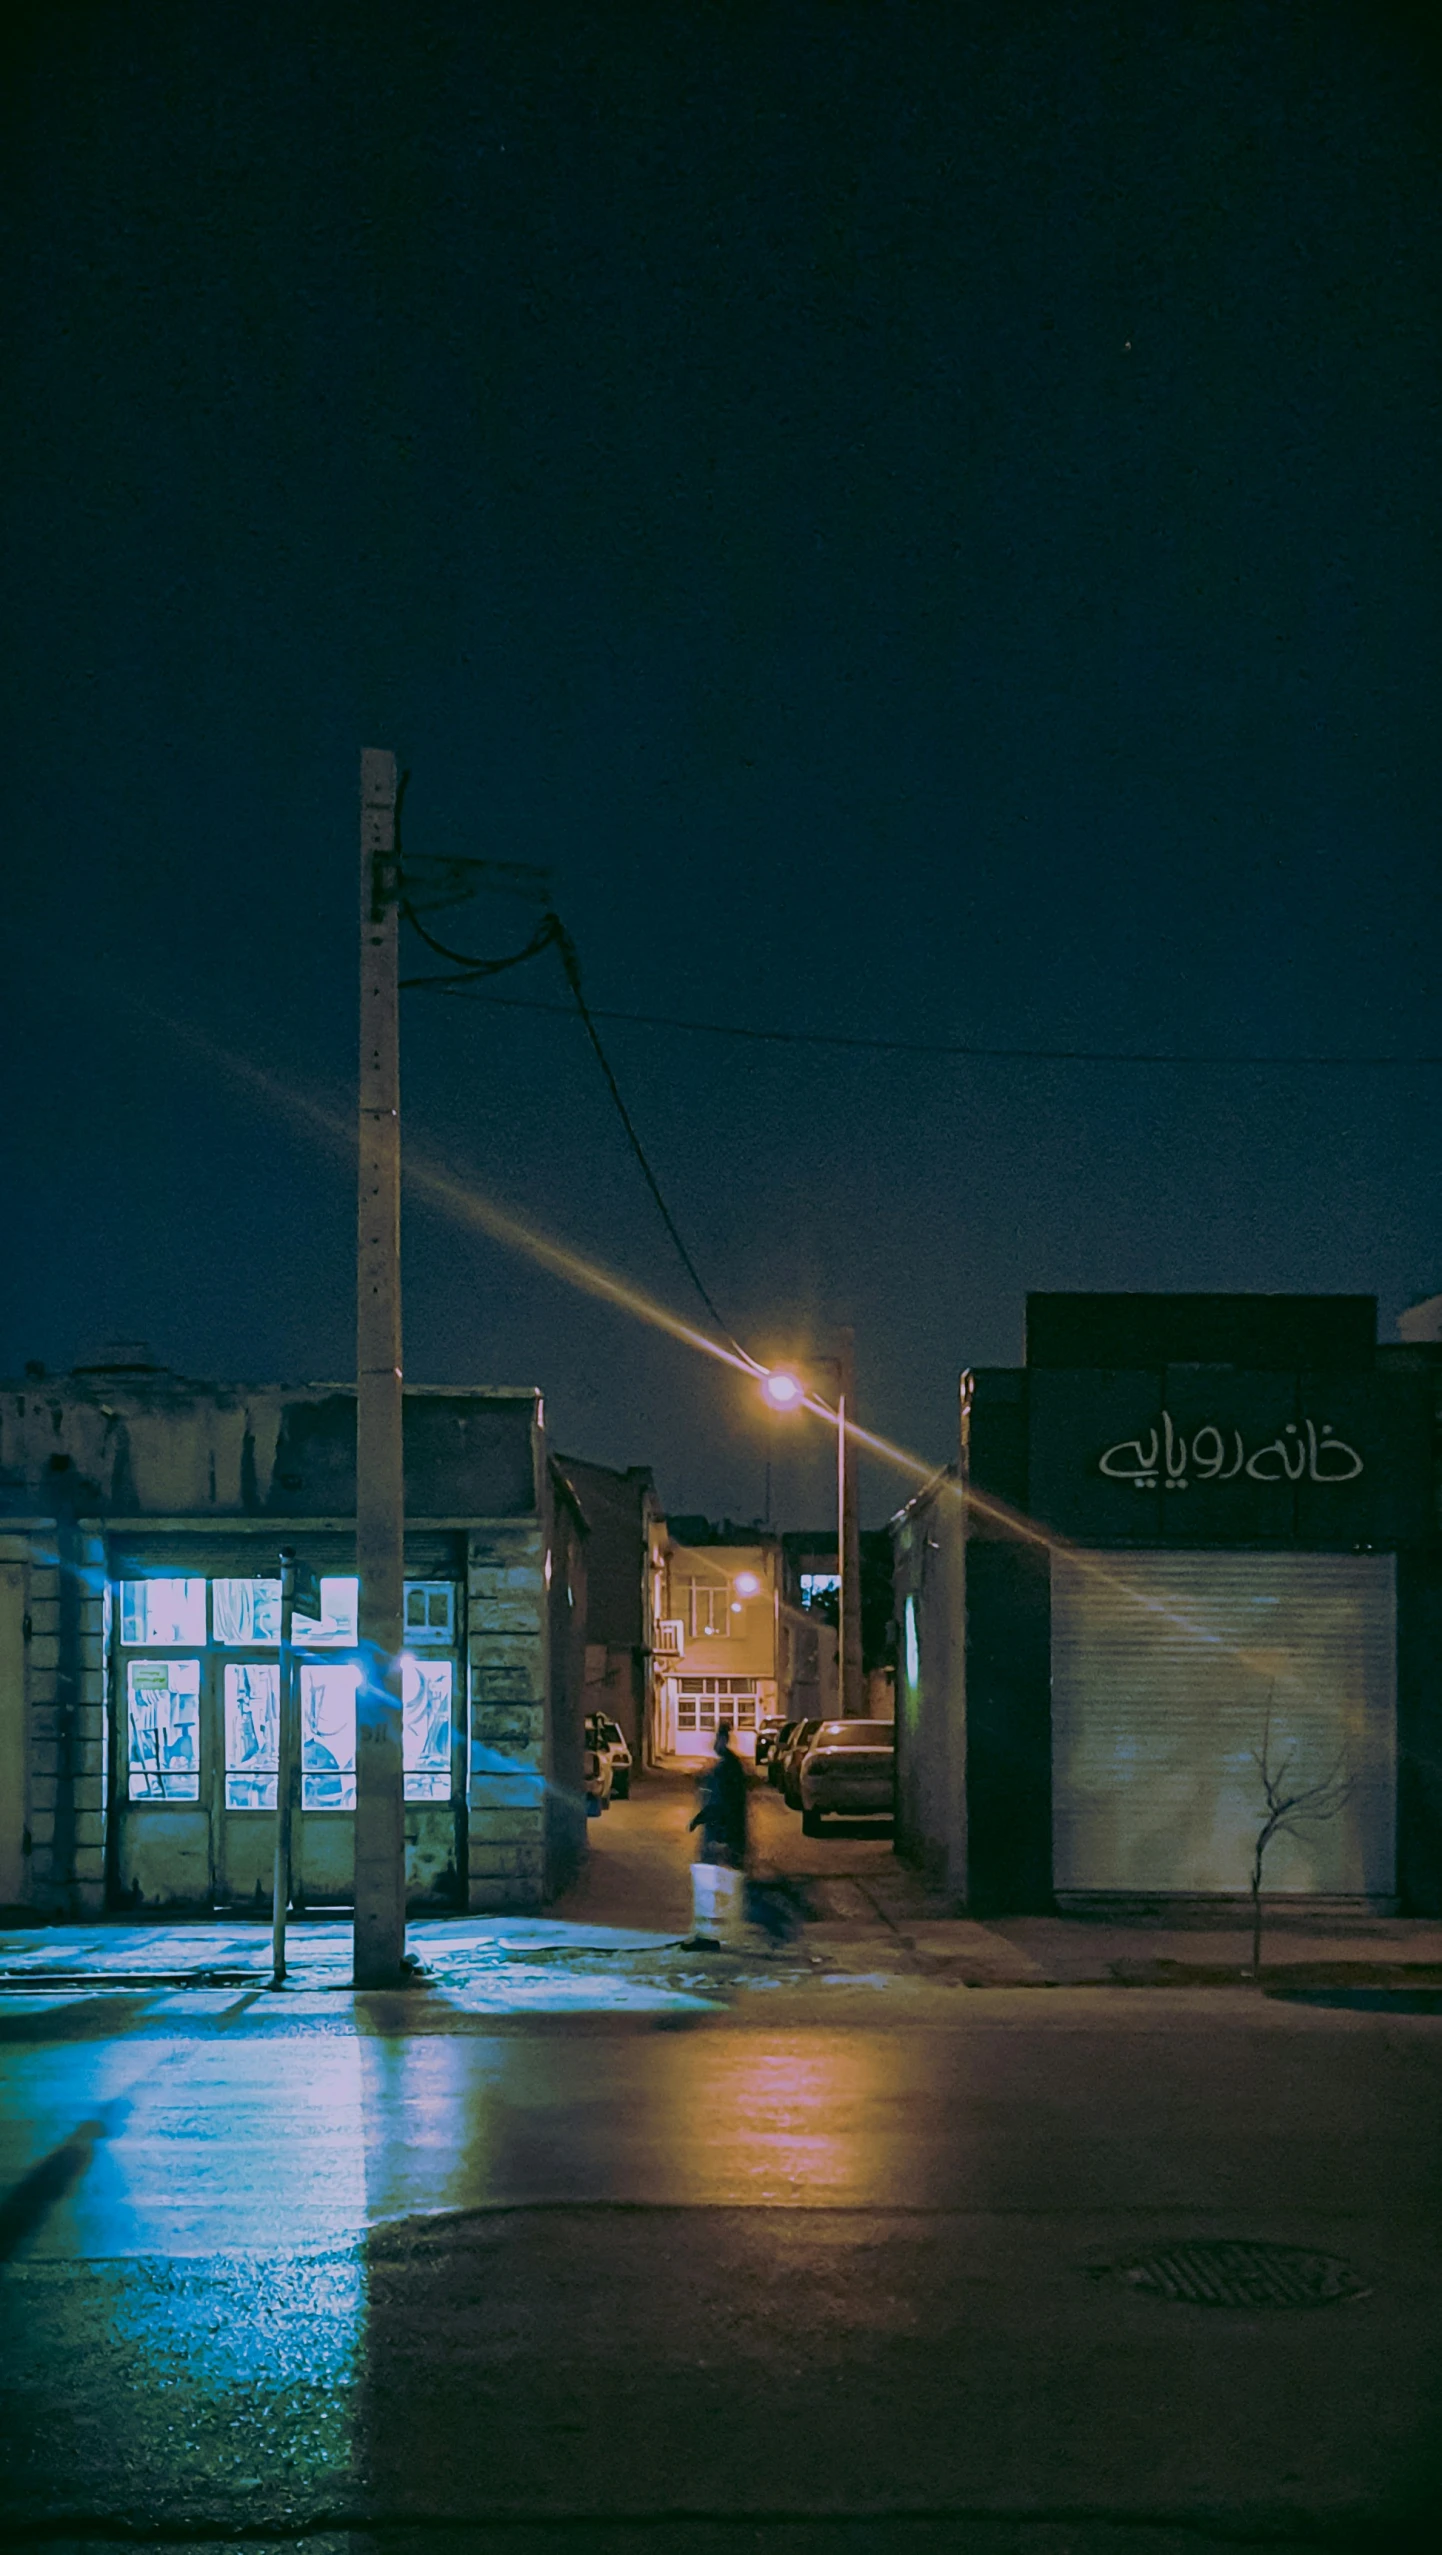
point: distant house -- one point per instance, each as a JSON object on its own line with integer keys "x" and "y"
{"x": 141, "y": 1519}
{"x": 743, "y": 1652}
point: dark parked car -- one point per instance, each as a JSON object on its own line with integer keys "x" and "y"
{"x": 849, "y": 1767}
{"x": 789, "y": 1760}
{"x": 768, "y": 1739}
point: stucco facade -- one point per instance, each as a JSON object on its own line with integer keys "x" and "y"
{"x": 125, "y": 1490}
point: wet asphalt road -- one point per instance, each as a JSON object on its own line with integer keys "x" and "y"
{"x": 826, "y": 2268}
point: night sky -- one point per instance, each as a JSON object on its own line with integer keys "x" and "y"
{"x": 925, "y": 518}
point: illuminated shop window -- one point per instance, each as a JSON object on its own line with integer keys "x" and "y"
{"x": 426, "y": 1687}
{"x": 327, "y": 1730}
{"x": 163, "y": 1724}
{"x": 339, "y": 1626}
{"x": 252, "y": 1729}
{"x": 157, "y": 1612}
{"x": 430, "y": 1611}
{"x": 245, "y": 1612}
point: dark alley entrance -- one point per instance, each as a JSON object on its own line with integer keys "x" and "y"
{"x": 638, "y": 1866}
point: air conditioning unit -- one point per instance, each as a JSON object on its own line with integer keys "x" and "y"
{"x": 670, "y": 1642}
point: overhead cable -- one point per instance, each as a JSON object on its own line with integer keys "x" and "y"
{"x": 541, "y": 938}
{"x": 963, "y": 1050}
{"x": 550, "y": 933}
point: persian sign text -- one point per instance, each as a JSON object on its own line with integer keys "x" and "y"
{"x": 1164, "y": 1455}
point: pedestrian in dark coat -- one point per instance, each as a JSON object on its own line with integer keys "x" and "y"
{"x": 722, "y": 1815}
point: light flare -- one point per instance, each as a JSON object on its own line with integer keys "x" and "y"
{"x": 469, "y": 1206}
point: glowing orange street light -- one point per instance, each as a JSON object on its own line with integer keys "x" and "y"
{"x": 783, "y": 1389}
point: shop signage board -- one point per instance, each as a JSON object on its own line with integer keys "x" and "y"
{"x": 1184, "y": 1455}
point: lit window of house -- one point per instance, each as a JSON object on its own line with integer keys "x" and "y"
{"x": 817, "y": 1586}
{"x": 703, "y": 1701}
{"x": 708, "y": 1609}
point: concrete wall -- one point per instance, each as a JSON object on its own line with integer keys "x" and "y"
{"x": 508, "y": 1646}
{"x": 931, "y": 1693}
{"x": 53, "y": 1753}
{"x": 14, "y": 1574}
{"x": 160, "y": 1445}
{"x": 566, "y": 1830}
{"x": 807, "y": 1677}
{"x": 616, "y": 1684}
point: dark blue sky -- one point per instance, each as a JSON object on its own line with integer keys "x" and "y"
{"x": 925, "y": 517}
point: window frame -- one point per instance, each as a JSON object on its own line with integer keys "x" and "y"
{"x": 213, "y": 1657}
{"x": 718, "y": 1598}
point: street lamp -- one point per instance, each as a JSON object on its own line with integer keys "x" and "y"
{"x": 783, "y": 1388}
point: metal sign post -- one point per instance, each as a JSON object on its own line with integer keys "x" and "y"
{"x": 298, "y": 1587}
{"x": 852, "y": 1681}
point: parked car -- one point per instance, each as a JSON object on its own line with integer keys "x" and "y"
{"x": 767, "y": 1736}
{"x": 848, "y": 1767}
{"x": 609, "y": 1740}
{"x": 776, "y": 1762}
{"x": 802, "y": 1734}
{"x": 598, "y": 1782}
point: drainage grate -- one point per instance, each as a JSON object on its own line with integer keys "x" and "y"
{"x": 1215, "y": 2273}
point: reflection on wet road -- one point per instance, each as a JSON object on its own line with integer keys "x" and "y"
{"x": 336, "y": 2261}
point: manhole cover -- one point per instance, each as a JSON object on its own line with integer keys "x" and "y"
{"x": 1214, "y": 2273}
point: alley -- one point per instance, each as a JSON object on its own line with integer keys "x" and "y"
{"x": 637, "y": 1870}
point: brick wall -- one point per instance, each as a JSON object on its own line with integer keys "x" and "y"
{"x": 52, "y": 1721}
{"x": 506, "y": 1634}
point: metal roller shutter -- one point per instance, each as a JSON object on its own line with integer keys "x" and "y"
{"x": 1166, "y": 1670}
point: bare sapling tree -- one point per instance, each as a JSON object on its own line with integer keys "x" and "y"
{"x": 1290, "y": 1807}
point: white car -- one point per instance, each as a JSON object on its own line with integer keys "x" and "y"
{"x": 848, "y": 1766}
{"x": 598, "y": 1782}
{"x": 609, "y": 1740}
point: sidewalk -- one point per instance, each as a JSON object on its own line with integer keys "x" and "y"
{"x": 617, "y": 1938}
{"x": 850, "y": 1929}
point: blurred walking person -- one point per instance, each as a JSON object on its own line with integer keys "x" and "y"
{"x": 722, "y": 1815}
{"x": 718, "y": 1874}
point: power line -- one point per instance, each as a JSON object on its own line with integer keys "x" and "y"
{"x": 542, "y": 937}
{"x": 571, "y": 962}
{"x": 551, "y": 933}
{"x": 960, "y": 1049}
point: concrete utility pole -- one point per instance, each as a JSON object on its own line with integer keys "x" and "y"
{"x": 848, "y": 1560}
{"x": 380, "y": 1893}
{"x": 287, "y": 1772}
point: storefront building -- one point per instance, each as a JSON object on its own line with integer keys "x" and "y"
{"x": 1194, "y": 1538}
{"x": 141, "y": 1521}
